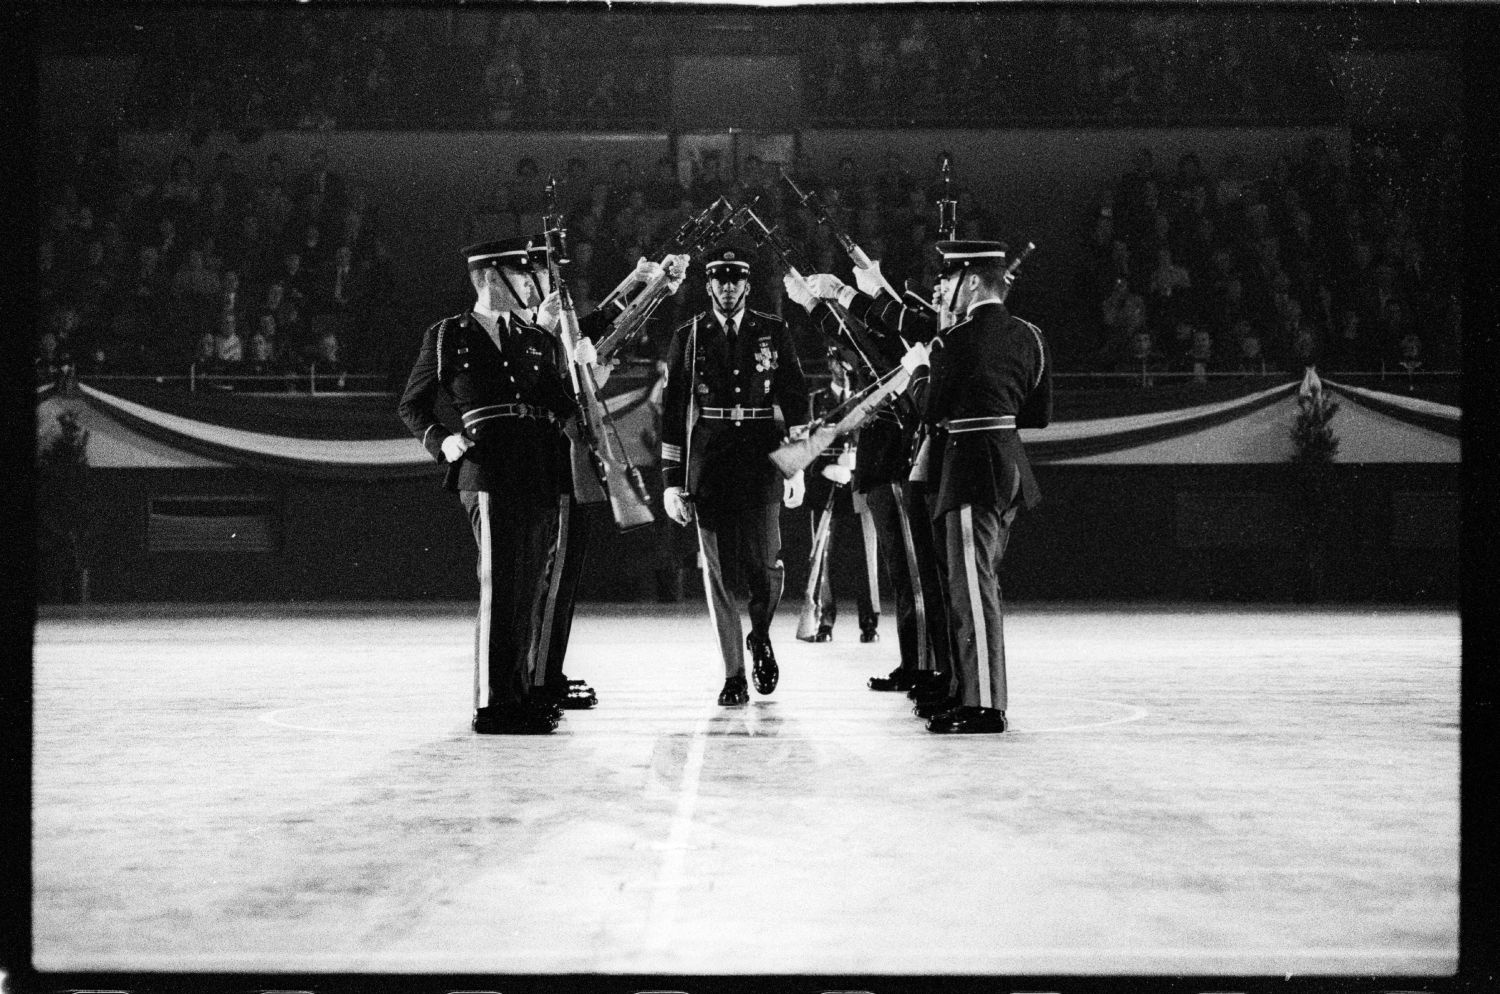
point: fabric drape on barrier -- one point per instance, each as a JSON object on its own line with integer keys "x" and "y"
{"x": 391, "y": 458}
{"x": 1423, "y": 413}
{"x": 1072, "y": 439}
{"x": 336, "y": 458}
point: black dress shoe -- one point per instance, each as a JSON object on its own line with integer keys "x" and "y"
{"x": 512, "y": 719}
{"x": 969, "y": 720}
{"x": 824, "y": 634}
{"x": 925, "y": 695}
{"x": 542, "y": 703}
{"x": 764, "y": 672}
{"x": 924, "y": 682}
{"x": 869, "y": 635}
{"x": 931, "y": 709}
{"x": 900, "y": 679}
{"x": 734, "y": 693}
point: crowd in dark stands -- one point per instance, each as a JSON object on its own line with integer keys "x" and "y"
{"x": 321, "y": 67}
{"x": 275, "y": 273}
{"x": 1344, "y": 266}
{"x": 1201, "y": 268}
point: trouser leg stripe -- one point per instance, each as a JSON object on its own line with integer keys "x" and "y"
{"x": 914, "y": 573}
{"x": 549, "y": 612}
{"x": 976, "y": 606}
{"x": 872, "y": 562}
{"x": 720, "y": 612}
{"x": 486, "y": 606}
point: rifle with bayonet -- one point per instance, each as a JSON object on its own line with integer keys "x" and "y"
{"x": 851, "y": 247}
{"x": 622, "y": 482}
{"x": 696, "y": 234}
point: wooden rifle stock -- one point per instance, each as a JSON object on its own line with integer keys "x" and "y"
{"x": 795, "y": 456}
{"x": 622, "y": 482}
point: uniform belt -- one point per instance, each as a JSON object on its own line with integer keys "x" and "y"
{"x": 478, "y": 414}
{"x": 958, "y": 426}
{"x": 739, "y": 413}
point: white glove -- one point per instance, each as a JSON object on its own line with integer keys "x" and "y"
{"x": 676, "y": 505}
{"x": 797, "y": 433}
{"x": 454, "y": 447}
{"x": 645, "y": 270}
{"x": 549, "y": 312}
{"x": 915, "y": 358}
{"x": 825, "y": 285}
{"x": 799, "y": 292}
{"x": 837, "y": 473}
{"x": 585, "y": 354}
{"x": 677, "y": 269}
{"x": 868, "y": 280}
{"x": 792, "y": 490}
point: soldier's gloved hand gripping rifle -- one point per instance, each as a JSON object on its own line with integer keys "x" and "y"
{"x": 851, "y": 247}
{"x": 626, "y": 488}
{"x": 696, "y": 233}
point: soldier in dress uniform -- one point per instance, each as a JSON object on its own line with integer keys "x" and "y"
{"x": 898, "y": 505}
{"x": 581, "y": 512}
{"x": 728, "y": 369}
{"x": 831, "y": 475}
{"x": 505, "y": 378}
{"x": 990, "y": 376}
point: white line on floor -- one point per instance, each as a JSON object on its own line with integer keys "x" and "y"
{"x": 659, "y": 923}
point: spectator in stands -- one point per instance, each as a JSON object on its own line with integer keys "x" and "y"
{"x": 1142, "y": 358}
{"x": 1123, "y": 316}
{"x": 213, "y": 218}
{"x": 229, "y": 348}
{"x": 181, "y": 193}
{"x": 169, "y": 247}
{"x": 666, "y": 191}
{"x": 1198, "y": 360}
{"x": 272, "y": 201}
{"x": 710, "y": 182}
{"x": 230, "y": 295}
{"x": 1249, "y": 361}
{"x": 245, "y": 249}
{"x": 194, "y": 280}
{"x": 604, "y": 102}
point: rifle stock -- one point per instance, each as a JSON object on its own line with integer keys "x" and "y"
{"x": 628, "y": 500}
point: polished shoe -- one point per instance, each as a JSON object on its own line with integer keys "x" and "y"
{"x": 573, "y": 695}
{"x": 824, "y": 634}
{"x": 900, "y": 679}
{"x": 925, "y": 695}
{"x": 734, "y": 693}
{"x": 969, "y": 720}
{"x": 931, "y": 709}
{"x": 764, "y": 672}
{"x": 542, "y": 703}
{"x": 869, "y": 635}
{"x": 924, "y": 682}
{"x": 512, "y": 719}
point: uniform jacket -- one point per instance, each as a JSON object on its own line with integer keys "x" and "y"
{"x": 991, "y": 364}
{"x": 820, "y": 402}
{"x": 885, "y": 442}
{"x": 720, "y": 463}
{"x": 522, "y": 459}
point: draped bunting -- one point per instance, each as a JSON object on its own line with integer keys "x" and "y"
{"x": 1423, "y": 413}
{"x": 635, "y": 418}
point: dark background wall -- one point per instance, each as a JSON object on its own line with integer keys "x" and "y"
{"x": 1214, "y": 533}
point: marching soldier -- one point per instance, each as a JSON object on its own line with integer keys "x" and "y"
{"x": 832, "y": 475}
{"x": 728, "y": 369}
{"x": 989, "y": 377}
{"x": 898, "y": 505}
{"x": 509, "y": 465}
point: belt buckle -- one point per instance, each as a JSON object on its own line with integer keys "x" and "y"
{"x": 737, "y": 413}
{"x": 524, "y": 410}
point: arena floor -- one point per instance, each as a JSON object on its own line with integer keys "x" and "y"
{"x": 1184, "y": 791}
